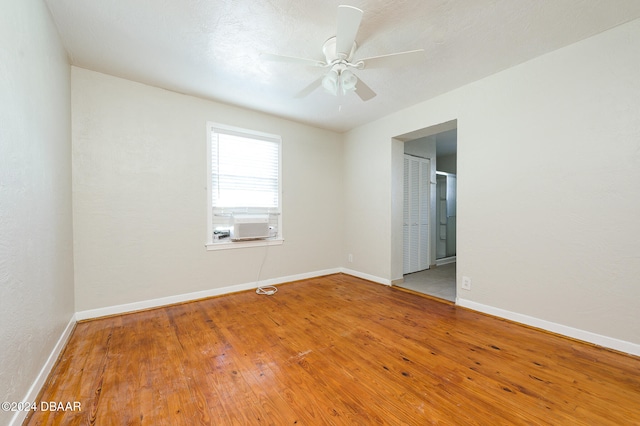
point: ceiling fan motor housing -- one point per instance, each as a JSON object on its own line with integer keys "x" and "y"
{"x": 329, "y": 50}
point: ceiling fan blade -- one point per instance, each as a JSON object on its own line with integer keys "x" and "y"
{"x": 310, "y": 88}
{"x": 363, "y": 91}
{"x": 394, "y": 59}
{"x": 349, "y": 18}
{"x": 292, "y": 59}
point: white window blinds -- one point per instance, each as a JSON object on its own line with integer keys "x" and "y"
{"x": 245, "y": 170}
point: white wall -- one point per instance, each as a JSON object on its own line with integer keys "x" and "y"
{"x": 367, "y": 202}
{"x": 36, "y": 269}
{"x": 557, "y": 139}
{"x": 139, "y": 175}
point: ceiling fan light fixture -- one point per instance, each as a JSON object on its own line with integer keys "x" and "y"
{"x": 331, "y": 81}
{"x": 348, "y": 81}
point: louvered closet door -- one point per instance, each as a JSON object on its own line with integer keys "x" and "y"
{"x": 424, "y": 200}
{"x": 416, "y": 214}
{"x": 405, "y": 220}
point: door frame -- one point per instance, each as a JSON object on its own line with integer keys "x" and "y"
{"x": 397, "y": 192}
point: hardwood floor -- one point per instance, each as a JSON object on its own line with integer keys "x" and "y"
{"x": 333, "y": 350}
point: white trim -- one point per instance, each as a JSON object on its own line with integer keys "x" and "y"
{"x": 229, "y": 245}
{"x": 41, "y": 378}
{"x": 365, "y": 276}
{"x": 208, "y": 189}
{"x": 241, "y": 131}
{"x": 586, "y": 336}
{"x": 186, "y": 297}
{"x": 298, "y": 277}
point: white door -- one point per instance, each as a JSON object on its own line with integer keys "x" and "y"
{"x": 416, "y": 214}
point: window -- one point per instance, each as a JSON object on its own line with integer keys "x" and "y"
{"x": 243, "y": 182}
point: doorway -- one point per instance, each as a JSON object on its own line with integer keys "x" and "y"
{"x": 436, "y": 276}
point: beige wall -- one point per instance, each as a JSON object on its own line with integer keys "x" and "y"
{"x": 36, "y": 255}
{"x": 367, "y": 201}
{"x": 139, "y": 175}
{"x": 548, "y": 156}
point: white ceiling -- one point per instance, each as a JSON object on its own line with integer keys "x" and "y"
{"x": 210, "y": 48}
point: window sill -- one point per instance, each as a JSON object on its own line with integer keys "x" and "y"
{"x": 230, "y": 245}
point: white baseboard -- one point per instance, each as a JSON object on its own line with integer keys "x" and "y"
{"x": 186, "y": 297}
{"x": 365, "y": 276}
{"x": 299, "y": 277}
{"x": 585, "y": 336}
{"x": 41, "y": 378}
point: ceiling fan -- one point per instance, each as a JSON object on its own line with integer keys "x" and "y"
{"x": 339, "y": 52}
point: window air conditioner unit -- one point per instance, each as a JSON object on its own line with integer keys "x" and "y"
{"x": 249, "y": 227}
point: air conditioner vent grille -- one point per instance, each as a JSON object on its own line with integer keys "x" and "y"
{"x": 249, "y": 227}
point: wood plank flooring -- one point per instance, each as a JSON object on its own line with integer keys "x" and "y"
{"x": 330, "y": 351}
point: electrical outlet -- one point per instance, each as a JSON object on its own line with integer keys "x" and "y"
{"x": 466, "y": 283}
{"x": 350, "y": 258}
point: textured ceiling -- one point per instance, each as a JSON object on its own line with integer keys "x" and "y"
{"x": 212, "y": 48}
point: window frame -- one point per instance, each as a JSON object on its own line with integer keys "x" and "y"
{"x": 228, "y": 244}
